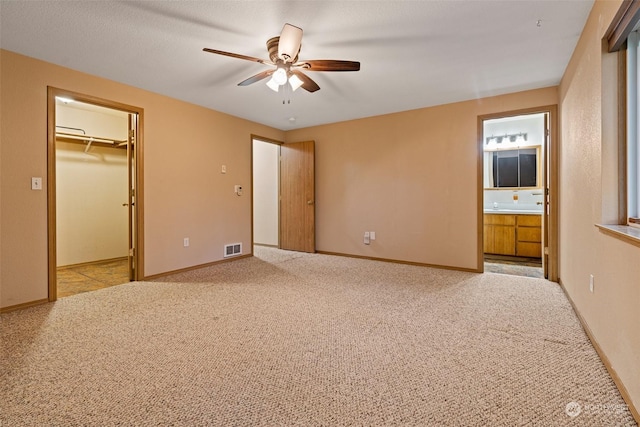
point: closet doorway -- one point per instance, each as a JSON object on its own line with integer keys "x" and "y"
{"x": 94, "y": 193}
{"x": 519, "y": 192}
{"x": 266, "y": 192}
{"x": 283, "y": 194}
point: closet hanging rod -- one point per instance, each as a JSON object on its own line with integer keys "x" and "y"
{"x": 67, "y": 127}
{"x": 89, "y": 138}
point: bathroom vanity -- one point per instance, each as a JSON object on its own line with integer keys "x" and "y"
{"x": 510, "y": 233}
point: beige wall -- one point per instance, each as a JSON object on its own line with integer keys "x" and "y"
{"x": 589, "y": 196}
{"x": 411, "y": 177}
{"x": 185, "y": 193}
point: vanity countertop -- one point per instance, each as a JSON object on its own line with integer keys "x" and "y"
{"x": 513, "y": 211}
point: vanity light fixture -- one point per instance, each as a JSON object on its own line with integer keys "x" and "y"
{"x": 513, "y": 137}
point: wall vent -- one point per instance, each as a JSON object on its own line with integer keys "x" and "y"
{"x": 233, "y": 249}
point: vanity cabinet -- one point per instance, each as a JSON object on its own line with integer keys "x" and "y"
{"x": 500, "y": 234}
{"x": 515, "y": 235}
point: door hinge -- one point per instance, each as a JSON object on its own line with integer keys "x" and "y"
{"x": 546, "y": 250}
{"x": 132, "y": 133}
{"x": 133, "y": 192}
{"x": 132, "y": 252}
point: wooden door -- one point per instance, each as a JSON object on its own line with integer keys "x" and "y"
{"x": 297, "y": 197}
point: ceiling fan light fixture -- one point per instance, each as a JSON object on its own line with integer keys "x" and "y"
{"x": 273, "y": 85}
{"x": 279, "y": 76}
{"x": 283, "y": 54}
{"x": 295, "y": 82}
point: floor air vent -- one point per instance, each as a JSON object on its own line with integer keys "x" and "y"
{"x": 232, "y": 249}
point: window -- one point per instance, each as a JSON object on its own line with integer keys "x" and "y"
{"x": 513, "y": 168}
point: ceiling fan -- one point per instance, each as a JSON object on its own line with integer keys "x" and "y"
{"x": 283, "y": 53}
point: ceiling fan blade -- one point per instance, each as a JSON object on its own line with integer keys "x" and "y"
{"x": 289, "y": 44}
{"x": 237, "y": 55}
{"x": 329, "y": 65}
{"x": 307, "y": 84}
{"x": 256, "y": 78}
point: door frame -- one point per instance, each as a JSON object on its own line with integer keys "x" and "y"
{"x": 137, "y": 229}
{"x": 309, "y": 202}
{"x": 279, "y": 144}
{"x": 551, "y": 244}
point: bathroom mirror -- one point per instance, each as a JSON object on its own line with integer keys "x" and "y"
{"x": 516, "y": 168}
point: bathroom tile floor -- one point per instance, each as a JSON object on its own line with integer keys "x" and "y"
{"x": 529, "y": 267}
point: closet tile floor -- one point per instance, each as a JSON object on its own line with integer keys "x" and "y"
{"x": 529, "y": 267}
{"x": 90, "y": 277}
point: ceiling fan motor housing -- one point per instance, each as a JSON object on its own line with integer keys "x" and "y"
{"x": 272, "y": 48}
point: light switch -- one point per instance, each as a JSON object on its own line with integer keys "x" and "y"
{"x": 223, "y": 169}
{"x": 372, "y": 235}
{"x": 36, "y": 183}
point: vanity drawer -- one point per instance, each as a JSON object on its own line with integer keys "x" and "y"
{"x": 530, "y": 220}
{"x": 499, "y": 219}
{"x": 529, "y": 234}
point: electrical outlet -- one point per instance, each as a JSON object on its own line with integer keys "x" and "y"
{"x": 186, "y": 242}
{"x": 367, "y": 238}
{"x": 591, "y": 283}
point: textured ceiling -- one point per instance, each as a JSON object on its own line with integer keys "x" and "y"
{"x": 413, "y": 54}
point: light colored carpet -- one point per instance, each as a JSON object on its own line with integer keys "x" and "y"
{"x": 284, "y": 339}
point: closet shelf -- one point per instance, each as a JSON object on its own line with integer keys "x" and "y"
{"x": 88, "y": 139}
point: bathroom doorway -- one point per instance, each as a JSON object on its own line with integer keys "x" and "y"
{"x": 516, "y": 193}
{"x": 94, "y": 193}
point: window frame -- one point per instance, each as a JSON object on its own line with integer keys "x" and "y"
{"x": 631, "y": 162}
{"x": 623, "y": 24}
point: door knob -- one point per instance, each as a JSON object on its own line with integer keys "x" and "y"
{"x": 309, "y": 202}
{"x": 125, "y": 204}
